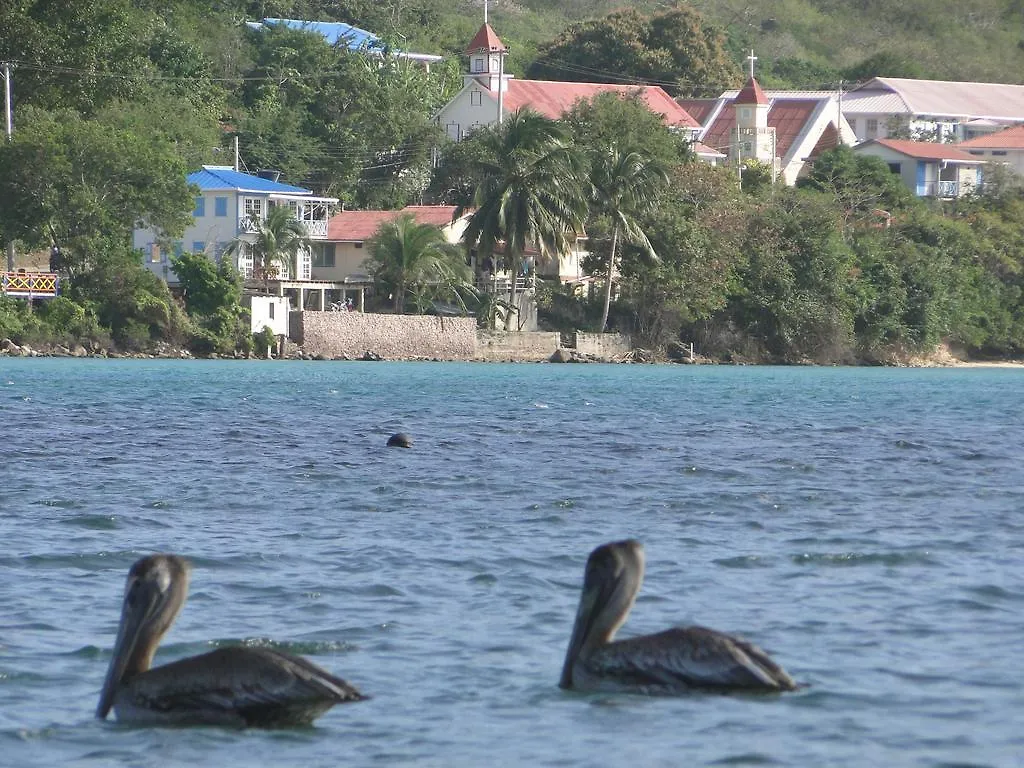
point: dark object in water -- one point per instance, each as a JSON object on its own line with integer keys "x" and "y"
{"x": 400, "y": 440}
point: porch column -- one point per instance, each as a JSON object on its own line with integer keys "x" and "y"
{"x": 323, "y": 299}
{"x": 362, "y": 292}
{"x": 302, "y": 298}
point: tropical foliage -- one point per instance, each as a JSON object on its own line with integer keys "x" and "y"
{"x": 528, "y": 193}
{"x": 275, "y": 244}
{"x": 413, "y": 261}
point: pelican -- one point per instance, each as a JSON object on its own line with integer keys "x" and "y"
{"x": 234, "y": 686}
{"x": 670, "y": 662}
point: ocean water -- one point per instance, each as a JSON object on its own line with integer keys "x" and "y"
{"x": 865, "y": 526}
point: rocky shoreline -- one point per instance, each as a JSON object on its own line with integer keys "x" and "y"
{"x": 941, "y": 358}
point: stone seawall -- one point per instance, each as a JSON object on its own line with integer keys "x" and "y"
{"x": 521, "y": 347}
{"x": 353, "y": 334}
{"x": 606, "y": 346}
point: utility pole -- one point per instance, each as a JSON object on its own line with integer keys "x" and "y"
{"x": 9, "y": 123}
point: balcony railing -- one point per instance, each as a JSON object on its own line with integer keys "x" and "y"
{"x": 248, "y": 225}
{"x": 315, "y": 229}
{"x": 943, "y": 189}
{"x": 504, "y": 284}
{"x": 30, "y": 285}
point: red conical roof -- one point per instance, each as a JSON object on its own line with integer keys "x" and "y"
{"x": 751, "y": 94}
{"x": 486, "y": 41}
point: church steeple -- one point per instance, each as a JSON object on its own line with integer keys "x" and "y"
{"x": 486, "y": 52}
{"x": 752, "y": 138}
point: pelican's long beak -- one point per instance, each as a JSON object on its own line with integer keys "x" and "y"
{"x": 591, "y": 603}
{"x": 134, "y": 617}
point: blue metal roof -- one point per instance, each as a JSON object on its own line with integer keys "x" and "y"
{"x": 224, "y": 177}
{"x": 335, "y": 32}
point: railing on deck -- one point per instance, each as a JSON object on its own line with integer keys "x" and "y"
{"x": 30, "y": 285}
{"x": 504, "y": 284}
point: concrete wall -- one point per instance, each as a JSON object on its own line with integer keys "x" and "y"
{"x": 607, "y": 346}
{"x": 352, "y": 334}
{"x": 530, "y": 346}
{"x": 269, "y": 311}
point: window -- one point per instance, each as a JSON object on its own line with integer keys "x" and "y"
{"x": 270, "y": 310}
{"x": 179, "y": 247}
{"x": 200, "y": 209}
{"x": 454, "y": 131}
{"x": 895, "y": 168}
{"x": 872, "y": 128}
{"x": 998, "y": 153}
{"x": 476, "y": 98}
{"x": 324, "y": 256}
{"x": 220, "y": 206}
{"x": 978, "y": 152}
{"x": 155, "y": 257}
{"x": 198, "y": 246}
{"x": 853, "y": 126}
{"x": 478, "y": 64}
{"x": 359, "y": 244}
{"x": 252, "y": 207}
{"x": 744, "y": 113}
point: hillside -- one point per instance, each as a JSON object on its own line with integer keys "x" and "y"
{"x": 801, "y": 42}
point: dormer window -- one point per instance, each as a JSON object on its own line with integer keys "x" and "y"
{"x": 479, "y": 64}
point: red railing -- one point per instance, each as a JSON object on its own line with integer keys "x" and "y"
{"x": 30, "y": 285}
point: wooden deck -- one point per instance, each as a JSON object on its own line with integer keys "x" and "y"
{"x": 30, "y": 285}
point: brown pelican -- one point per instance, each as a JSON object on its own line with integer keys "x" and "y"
{"x": 235, "y": 685}
{"x": 673, "y": 661}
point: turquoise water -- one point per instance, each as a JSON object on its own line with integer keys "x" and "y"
{"x": 866, "y": 526}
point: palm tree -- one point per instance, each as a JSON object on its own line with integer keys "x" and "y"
{"x": 279, "y": 238}
{"x": 624, "y": 186}
{"x": 528, "y": 193}
{"x": 406, "y": 256}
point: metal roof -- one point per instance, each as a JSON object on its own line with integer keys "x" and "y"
{"x": 944, "y": 98}
{"x": 338, "y": 33}
{"x": 923, "y": 150}
{"x": 553, "y": 98}
{"x": 217, "y": 177}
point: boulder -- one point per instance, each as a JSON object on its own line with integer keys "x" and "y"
{"x": 561, "y": 355}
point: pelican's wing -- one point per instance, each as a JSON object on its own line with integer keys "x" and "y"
{"x": 251, "y": 686}
{"x": 690, "y": 657}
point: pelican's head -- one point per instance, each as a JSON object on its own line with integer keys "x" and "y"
{"x": 611, "y": 581}
{"x": 153, "y": 595}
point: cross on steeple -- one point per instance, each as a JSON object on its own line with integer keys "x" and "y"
{"x": 751, "y": 58}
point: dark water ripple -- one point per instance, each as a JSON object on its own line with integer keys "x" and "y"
{"x": 862, "y": 525}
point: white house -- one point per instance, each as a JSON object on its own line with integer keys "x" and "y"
{"x": 229, "y": 205}
{"x": 489, "y": 90}
{"x": 784, "y": 129}
{"x": 948, "y": 111}
{"x": 927, "y": 168}
{"x": 1005, "y": 147}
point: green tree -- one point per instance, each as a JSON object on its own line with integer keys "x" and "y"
{"x": 863, "y": 187}
{"x": 207, "y": 287}
{"x": 274, "y": 245}
{"x": 624, "y": 185}
{"x": 610, "y": 118}
{"x": 529, "y": 193}
{"x": 411, "y": 258}
{"x": 674, "y": 49}
{"x": 75, "y": 182}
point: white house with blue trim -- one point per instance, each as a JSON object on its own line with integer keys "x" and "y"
{"x": 928, "y": 169}
{"x": 229, "y": 205}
